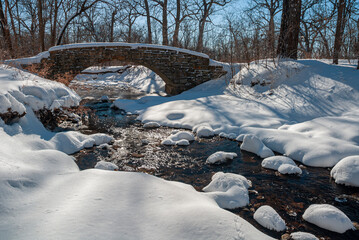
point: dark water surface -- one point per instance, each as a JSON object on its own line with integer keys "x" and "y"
{"x": 139, "y": 149}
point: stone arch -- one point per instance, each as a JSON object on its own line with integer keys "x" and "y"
{"x": 180, "y": 69}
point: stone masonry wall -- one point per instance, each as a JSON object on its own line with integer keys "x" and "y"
{"x": 180, "y": 71}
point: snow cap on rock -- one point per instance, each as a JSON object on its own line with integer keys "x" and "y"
{"x": 269, "y": 218}
{"x": 253, "y": 144}
{"x": 328, "y": 217}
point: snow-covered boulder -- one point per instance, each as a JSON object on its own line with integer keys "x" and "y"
{"x": 328, "y": 217}
{"x": 269, "y": 218}
{"x": 289, "y": 169}
{"x": 151, "y": 125}
{"x": 303, "y": 236}
{"x": 179, "y": 138}
{"x": 347, "y": 171}
{"x": 229, "y": 190}
{"x": 275, "y": 162}
{"x": 106, "y": 165}
{"x": 253, "y": 144}
{"x": 182, "y": 142}
{"x": 204, "y": 131}
{"x": 220, "y": 157}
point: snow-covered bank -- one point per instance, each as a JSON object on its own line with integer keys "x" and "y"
{"x": 305, "y": 109}
{"x": 43, "y": 195}
{"x": 138, "y": 77}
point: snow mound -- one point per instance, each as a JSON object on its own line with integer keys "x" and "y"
{"x": 303, "y": 236}
{"x": 328, "y": 217}
{"x": 347, "y": 171}
{"x": 229, "y": 190}
{"x": 105, "y": 98}
{"x": 106, "y": 165}
{"x": 269, "y": 218}
{"x": 203, "y": 131}
{"x": 289, "y": 169}
{"x": 220, "y": 157}
{"x": 151, "y": 125}
{"x": 276, "y": 161}
{"x": 179, "y": 138}
{"x": 253, "y": 144}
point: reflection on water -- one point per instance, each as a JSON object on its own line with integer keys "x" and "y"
{"x": 139, "y": 149}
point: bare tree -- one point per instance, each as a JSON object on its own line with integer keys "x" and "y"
{"x": 5, "y": 30}
{"x": 289, "y": 29}
{"x": 84, "y": 6}
{"x": 205, "y": 9}
{"x": 339, "y": 31}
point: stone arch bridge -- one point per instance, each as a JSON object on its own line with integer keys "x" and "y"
{"x": 180, "y": 69}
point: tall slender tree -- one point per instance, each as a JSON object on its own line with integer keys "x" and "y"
{"x": 289, "y": 29}
{"x": 5, "y": 30}
{"x": 339, "y": 31}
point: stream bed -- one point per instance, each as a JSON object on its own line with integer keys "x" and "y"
{"x": 139, "y": 149}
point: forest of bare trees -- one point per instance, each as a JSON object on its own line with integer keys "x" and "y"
{"x": 227, "y": 30}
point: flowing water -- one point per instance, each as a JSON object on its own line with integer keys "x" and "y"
{"x": 139, "y": 149}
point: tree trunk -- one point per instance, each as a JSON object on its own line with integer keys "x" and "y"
{"x": 271, "y": 43}
{"x": 54, "y": 26}
{"x": 12, "y": 24}
{"x": 41, "y": 26}
{"x": 175, "y": 41}
{"x": 164, "y": 24}
{"x": 338, "y": 32}
{"x": 289, "y": 29}
{"x": 5, "y": 30}
{"x": 148, "y": 17}
{"x": 112, "y": 24}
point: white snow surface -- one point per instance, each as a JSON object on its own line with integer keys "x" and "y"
{"x": 275, "y": 162}
{"x": 220, "y": 157}
{"x": 303, "y": 236}
{"x": 139, "y": 77}
{"x": 229, "y": 190}
{"x": 308, "y": 110}
{"x": 328, "y": 217}
{"x": 106, "y": 165}
{"x": 203, "y": 131}
{"x": 269, "y": 218}
{"x": 151, "y": 125}
{"x": 19, "y": 89}
{"x": 346, "y": 171}
{"x": 179, "y": 138}
{"x": 253, "y": 144}
{"x": 289, "y": 169}
{"x": 43, "y": 195}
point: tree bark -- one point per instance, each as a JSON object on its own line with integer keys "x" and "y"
{"x": 54, "y": 26}
{"x": 41, "y": 26}
{"x": 175, "y": 41}
{"x": 338, "y": 32}
{"x": 5, "y": 30}
{"x": 164, "y": 24}
{"x": 148, "y": 18}
{"x": 289, "y": 29}
{"x": 112, "y": 24}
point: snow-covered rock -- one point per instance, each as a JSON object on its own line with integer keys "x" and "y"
{"x": 220, "y": 157}
{"x": 182, "y": 142}
{"x": 328, "y": 217}
{"x": 274, "y": 162}
{"x": 106, "y": 165}
{"x": 151, "y": 125}
{"x": 269, "y": 218}
{"x": 229, "y": 190}
{"x": 303, "y": 236}
{"x": 253, "y": 144}
{"x": 204, "y": 131}
{"x": 179, "y": 138}
{"x": 289, "y": 169}
{"x": 347, "y": 171}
